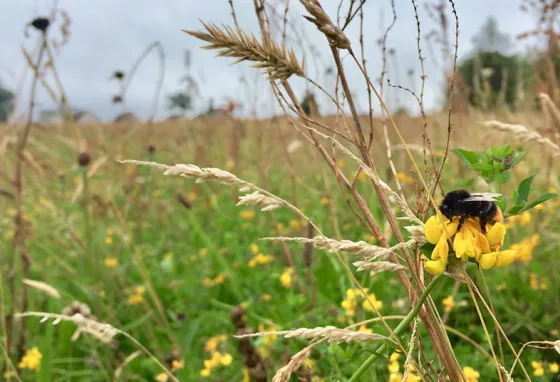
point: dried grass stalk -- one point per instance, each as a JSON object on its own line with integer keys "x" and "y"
{"x": 522, "y": 133}
{"x": 276, "y": 60}
{"x": 551, "y": 109}
{"x": 43, "y": 287}
{"x": 100, "y": 330}
{"x": 557, "y": 346}
{"x": 330, "y": 333}
{"x": 336, "y": 37}
{"x": 283, "y": 374}
{"x": 256, "y": 198}
{"x": 126, "y": 361}
{"x": 375, "y": 267}
{"x": 359, "y": 248}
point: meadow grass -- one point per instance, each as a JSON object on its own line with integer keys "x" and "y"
{"x": 170, "y": 261}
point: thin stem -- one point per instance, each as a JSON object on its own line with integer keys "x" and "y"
{"x": 400, "y": 328}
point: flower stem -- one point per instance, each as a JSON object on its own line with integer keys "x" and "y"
{"x": 400, "y": 328}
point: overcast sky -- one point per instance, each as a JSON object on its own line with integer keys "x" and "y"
{"x": 109, "y": 35}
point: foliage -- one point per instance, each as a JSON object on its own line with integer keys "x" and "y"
{"x": 6, "y": 103}
{"x": 180, "y": 100}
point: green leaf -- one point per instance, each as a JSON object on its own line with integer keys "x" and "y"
{"x": 427, "y": 249}
{"x": 502, "y": 177}
{"x": 524, "y": 189}
{"x": 515, "y": 209}
{"x": 541, "y": 199}
{"x": 468, "y": 157}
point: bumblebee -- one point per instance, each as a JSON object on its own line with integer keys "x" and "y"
{"x": 463, "y": 204}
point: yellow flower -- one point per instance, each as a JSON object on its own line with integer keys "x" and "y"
{"x": 31, "y": 359}
{"x": 247, "y": 214}
{"x": 246, "y": 375}
{"x": 203, "y": 252}
{"x": 108, "y": 240}
{"x": 554, "y": 367}
{"x": 205, "y": 372}
{"x": 525, "y": 218}
{"x": 395, "y": 377}
{"x": 286, "y": 277}
{"x": 539, "y": 369}
{"x": 111, "y": 262}
{"x": 254, "y": 248}
{"x": 340, "y": 164}
{"x": 393, "y": 367}
{"x": 324, "y": 201}
{"x": 434, "y": 228}
{"x": 177, "y": 364}
{"x": 135, "y": 299}
{"x": 394, "y": 356}
{"x": 435, "y": 267}
{"x": 109, "y": 232}
{"x": 404, "y": 178}
{"x": 363, "y": 328}
{"x": 226, "y": 359}
{"x": 449, "y": 303}
{"x": 471, "y": 374}
{"x": 496, "y": 235}
{"x": 295, "y": 224}
{"x": 376, "y": 303}
{"x": 212, "y": 343}
{"x": 501, "y": 286}
{"x": 162, "y": 377}
{"x": 464, "y": 244}
{"x": 441, "y": 251}
{"x": 259, "y": 259}
{"x": 525, "y": 248}
{"x": 265, "y": 297}
{"x": 362, "y": 176}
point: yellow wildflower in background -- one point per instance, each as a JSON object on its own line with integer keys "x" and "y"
{"x": 471, "y": 374}
{"x": 538, "y": 284}
{"x": 254, "y": 248}
{"x": 177, "y": 364}
{"x": 468, "y": 243}
{"x": 192, "y": 196}
{"x": 350, "y": 304}
{"x": 523, "y": 219}
{"x": 31, "y": 359}
{"x": 363, "y": 328}
{"x": 203, "y": 252}
{"x": 554, "y": 367}
{"x": 286, "y": 277}
{"x": 449, "y": 303}
{"x": 366, "y": 305}
{"x": 162, "y": 377}
{"x": 246, "y": 375}
{"x": 324, "y": 201}
{"x": 247, "y": 214}
{"x": 108, "y": 240}
{"x": 208, "y": 282}
{"x": 295, "y": 224}
{"x": 525, "y": 248}
{"x": 111, "y": 262}
{"x": 213, "y": 342}
{"x": 135, "y": 299}
{"x": 259, "y": 259}
{"x": 538, "y": 368}
{"x": 265, "y": 297}
{"x": 404, "y": 178}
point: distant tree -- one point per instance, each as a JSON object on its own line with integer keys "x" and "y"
{"x": 492, "y": 79}
{"x": 6, "y": 103}
{"x": 490, "y": 39}
{"x": 180, "y": 100}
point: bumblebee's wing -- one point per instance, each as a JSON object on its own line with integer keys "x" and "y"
{"x": 482, "y": 197}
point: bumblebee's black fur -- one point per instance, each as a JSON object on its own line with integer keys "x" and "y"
{"x": 454, "y": 204}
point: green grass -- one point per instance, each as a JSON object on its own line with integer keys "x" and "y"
{"x": 133, "y": 215}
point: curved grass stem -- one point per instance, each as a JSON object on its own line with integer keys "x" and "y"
{"x": 400, "y": 328}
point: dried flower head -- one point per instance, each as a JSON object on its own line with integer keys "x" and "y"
{"x": 322, "y": 21}
{"x": 41, "y": 24}
{"x": 84, "y": 159}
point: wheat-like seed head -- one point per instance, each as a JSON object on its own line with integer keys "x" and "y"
{"x": 522, "y": 133}
{"x": 256, "y": 198}
{"x": 330, "y": 333}
{"x": 375, "y": 267}
{"x": 43, "y": 287}
{"x": 276, "y": 60}
{"x": 100, "y": 330}
{"x": 551, "y": 109}
{"x": 283, "y": 374}
{"x": 323, "y": 22}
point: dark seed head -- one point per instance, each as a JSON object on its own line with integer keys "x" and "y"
{"x": 41, "y": 23}
{"x": 181, "y": 316}
{"x": 151, "y": 149}
{"x": 84, "y": 159}
{"x": 119, "y": 75}
{"x": 117, "y": 99}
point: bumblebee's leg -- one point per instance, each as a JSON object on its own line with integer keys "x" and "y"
{"x": 483, "y": 218}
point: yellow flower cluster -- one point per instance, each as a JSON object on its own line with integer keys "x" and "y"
{"x": 254, "y": 248}
{"x": 523, "y": 219}
{"x": 31, "y": 359}
{"x": 350, "y": 304}
{"x": 136, "y": 297}
{"x": 525, "y": 248}
{"x": 247, "y": 214}
{"x": 216, "y": 358}
{"x": 259, "y": 259}
{"x": 208, "y": 282}
{"x": 468, "y": 243}
{"x": 471, "y": 374}
{"x": 539, "y": 368}
{"x": 111, "y": 262}
{"x": 394, "y": 370}
{"x": 286, "y": 277}
{"x": 404, "y": 178}
{"x": 448, "y": 303}
{"x": 537, "y": 283}
{"x": 268, "y": 340}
